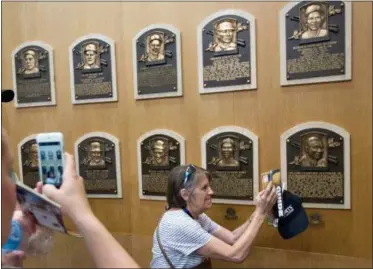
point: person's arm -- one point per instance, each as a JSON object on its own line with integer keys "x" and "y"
{"x": 104, "y": 249}
{"x": 231, "y": 237}
{"x": 238, "y": 252}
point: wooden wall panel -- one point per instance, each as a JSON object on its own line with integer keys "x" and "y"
{"x": 70, "y": 252}
{"x": 268, "y": 111}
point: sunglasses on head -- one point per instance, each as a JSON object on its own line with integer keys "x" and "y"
{"x": 190, "y": 170}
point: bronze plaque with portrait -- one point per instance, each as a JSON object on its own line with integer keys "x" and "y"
{"x": 98, "y": 165}
{"x": 226, "y": 52}
{"x": 315, "y": 166}
{"x": 33, "y": 76}
{"x": 229, "y": 159}
{"x": 159, "y": 155}
{"x": 315, "y": 40}
{"x": 157, "y": 63}
{"x": 30, "y": 163}
{"x": 93, "y": 70}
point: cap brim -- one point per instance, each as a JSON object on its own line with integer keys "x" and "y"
{"x": 7, "y": 96}
{"x": 294, "y": 227}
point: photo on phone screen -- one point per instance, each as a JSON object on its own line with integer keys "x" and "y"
{"x": 51, "y": 162}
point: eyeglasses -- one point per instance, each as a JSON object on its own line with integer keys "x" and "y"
{"x": 190, "y": 170}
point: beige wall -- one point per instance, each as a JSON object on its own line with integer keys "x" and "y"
{"x": 268, "y": 111}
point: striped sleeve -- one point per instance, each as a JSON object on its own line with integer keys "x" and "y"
{"x": 208, "y": 224}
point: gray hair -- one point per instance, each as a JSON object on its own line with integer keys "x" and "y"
{"x": 176, "y": 184}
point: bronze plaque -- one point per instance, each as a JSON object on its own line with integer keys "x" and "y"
{"x": 98, "y": 165}
{"x": 159, "y": 155}
{"x": 315, "y": 40}
{"x": 29, "y": 163}
{"x": 33, "y": 76}
{"x": 315, "y": 166}
{"x": 229, "y": 159}
{"x": 226, "y": 52}
{"x": 158, "y": 63}
{"x": 93, "y": 65}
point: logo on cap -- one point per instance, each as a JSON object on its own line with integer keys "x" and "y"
{"x": 279, "y": 201}
{"x": 288, "y": 210}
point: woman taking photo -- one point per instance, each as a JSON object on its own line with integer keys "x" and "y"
{"x": 187, "y": 238}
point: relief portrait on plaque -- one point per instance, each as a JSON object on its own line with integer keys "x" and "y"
{"x": 33, "y": 75}
{"x": 157, "y": 62}
{"x": 99, "y": 164}
{"x": 159, "y": 151}
{"x": 314, "y": 21}
{"x": 316, "y": 163}
{"x": 226, "y": 52}
{"x": 95, "y": 158}
{"x": 28, "y": 161}
{"x": 155, "y": 45}
{"x": 225, "y": 36}
{"x": 91, "y": 57}
{"x": 93, "y": 70}
{"x": 230, "y": 155}
{"x": 315, "y": 42}
{"x": 30, "y": 62}
{"x": 314, "y": 151}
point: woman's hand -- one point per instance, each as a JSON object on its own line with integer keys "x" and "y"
{"x": 27, "y": 221}
{"x": 25, "y": 218}
{"x": 71, "y": 195}
{"x": 13, "y": 258}
{"x": 266, "y": 199}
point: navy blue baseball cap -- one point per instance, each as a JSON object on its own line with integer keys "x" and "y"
{"x": 294, "y": 220}
{"x": 7, "y": 96}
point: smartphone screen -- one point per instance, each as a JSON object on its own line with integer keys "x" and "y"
{"x": 51, "y": 161}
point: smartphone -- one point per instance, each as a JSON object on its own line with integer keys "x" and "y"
{"x": 51, "y": 158}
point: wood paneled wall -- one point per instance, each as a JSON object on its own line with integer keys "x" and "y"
{"x": 267, "y": 111}
{"x": 140, "y": 246}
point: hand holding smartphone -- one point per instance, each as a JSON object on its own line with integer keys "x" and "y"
{"x": 51, "y": 158}
{"x": 274, "y": 176}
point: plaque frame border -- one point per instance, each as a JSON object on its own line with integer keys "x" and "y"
{"x": 179, "y": 91}
{"x": 118, "y": 163}
{"x": 169, "y": 133}
{"x": 348, "y": 52}
{"x": 255, "y": 148}
{"x": 242, "y": 87}
{"x": 111, "y": 42}
{"x": 48, "y": 48}
{"x": 19, "y": 146}
{"x": 346, "y": 152}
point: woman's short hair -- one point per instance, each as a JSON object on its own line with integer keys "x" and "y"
{"x": 176, "y": 184}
